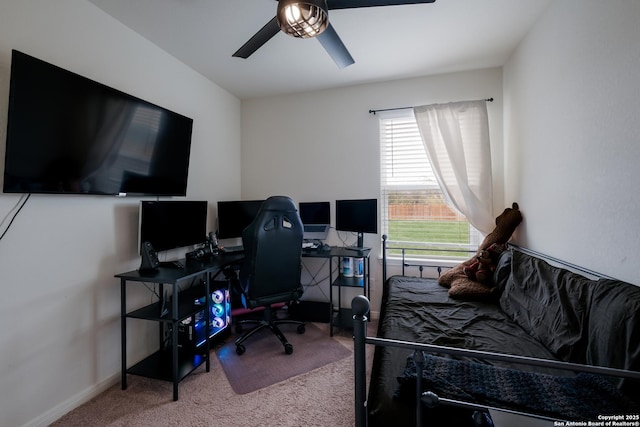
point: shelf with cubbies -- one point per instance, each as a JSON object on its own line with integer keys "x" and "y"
{"x": 353, "y": 272}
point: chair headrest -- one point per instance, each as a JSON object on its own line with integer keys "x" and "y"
{"x": 279, "y": 203}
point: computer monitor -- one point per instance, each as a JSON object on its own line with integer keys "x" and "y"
{"x": 316, "y": 219}
{"x": 235, "y": 216}
{"x": 172, "y": 224}
{"x": 359, "y": 216}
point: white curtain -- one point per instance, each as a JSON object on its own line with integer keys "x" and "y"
{"x": 456, "y": 136}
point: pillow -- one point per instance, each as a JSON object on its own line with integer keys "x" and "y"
{"x": 551, "y": 304}
{"x": 503, "y": 270}
{"x": 614, "y": 334}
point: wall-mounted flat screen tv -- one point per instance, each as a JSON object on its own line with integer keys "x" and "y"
{"x": 71, "y": 135}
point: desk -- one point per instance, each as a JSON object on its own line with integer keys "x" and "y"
{"x": 171, "y": 364}
{"x": 364, "y": 282}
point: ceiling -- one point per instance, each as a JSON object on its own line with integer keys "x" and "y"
{"x": 387, "y": 43}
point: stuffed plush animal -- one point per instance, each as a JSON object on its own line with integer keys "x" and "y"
{"x": 460, "y": 284}
{"x": 486, "y": 262}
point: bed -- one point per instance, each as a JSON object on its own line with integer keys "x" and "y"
{"x": 555, "y": 341}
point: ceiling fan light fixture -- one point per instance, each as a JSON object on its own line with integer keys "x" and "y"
{"x": 303, "y": 18}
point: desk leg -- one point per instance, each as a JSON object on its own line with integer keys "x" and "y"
{"x": 331, "y": 296}
{"x": 161, "y": 326}
{"x": 207, "y": 319}
{"x": 123, "y": 332}
{"x": 174, "y": 341}
{"x": 340, "y": 325}
{"x": 368, "y": 275}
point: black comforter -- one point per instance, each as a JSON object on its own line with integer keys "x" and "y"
{"x": 407, "y": 314}
{"x": 419, "y": 310}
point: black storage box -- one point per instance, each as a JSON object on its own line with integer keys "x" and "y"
{"x": 310, "y": 311}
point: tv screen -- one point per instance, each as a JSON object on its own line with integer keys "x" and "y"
{"x": 234, "y": 216}
{"x": 69, "y": 134}
{"x": 173, "y": 224}
{"x": 360, "y": 216}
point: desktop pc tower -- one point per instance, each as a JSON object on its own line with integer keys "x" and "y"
{"x": 192, "y": 330}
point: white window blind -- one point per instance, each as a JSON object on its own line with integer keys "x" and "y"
{"x": 414, "y": 210}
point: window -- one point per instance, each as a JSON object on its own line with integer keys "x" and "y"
{"x": 414, "y": 210}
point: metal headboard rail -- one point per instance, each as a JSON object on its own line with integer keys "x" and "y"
{"x": 421, "y": 266}
{"x": 548, "y": 258}
{"x": 501, "y": 357}
{"x": 565, "y": 264}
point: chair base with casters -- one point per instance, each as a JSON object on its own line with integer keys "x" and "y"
{"x": 270, "y": 321}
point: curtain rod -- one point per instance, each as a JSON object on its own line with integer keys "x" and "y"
{"x": 404, "y": 108}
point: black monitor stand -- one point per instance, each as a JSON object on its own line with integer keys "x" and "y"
{"x": 359, "y": 245}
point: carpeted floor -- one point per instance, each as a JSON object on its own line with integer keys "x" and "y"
{"x": 321, "y": 397}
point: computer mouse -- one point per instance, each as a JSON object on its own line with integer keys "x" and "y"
{"x": 325, "y": 248}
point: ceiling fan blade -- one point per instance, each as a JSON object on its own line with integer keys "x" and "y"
{"x": 335, "y": 48}
{"x": 351, "y": 4}
{"x": 261, "y": 37}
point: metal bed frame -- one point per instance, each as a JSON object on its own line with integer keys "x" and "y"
{"x": 360, "y": 306}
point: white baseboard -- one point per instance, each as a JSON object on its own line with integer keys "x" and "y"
{"x": 68, "y": 405}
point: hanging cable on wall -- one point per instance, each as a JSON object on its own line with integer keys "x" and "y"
{"x": 17, "y": 208}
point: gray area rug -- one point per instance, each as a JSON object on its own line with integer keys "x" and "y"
{"x": 265, "y": 363}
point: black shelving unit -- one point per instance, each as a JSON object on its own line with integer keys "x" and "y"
{"x": 337, "y": 313}
{"x": 341, "y": 316}
{"x": 172, "y": 362}
{"x": 159, "y": 365}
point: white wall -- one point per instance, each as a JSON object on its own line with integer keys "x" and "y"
{"x": 60, "y": 304}
{"x": 571, "y": 149}
{"x": 324, "y": 145}
{"x": 572, "y": 137}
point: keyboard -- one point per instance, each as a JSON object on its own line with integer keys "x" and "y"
{"x": 233, "y": 249}
{"x": 172, "y": 264}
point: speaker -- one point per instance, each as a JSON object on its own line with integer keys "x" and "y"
{"x": 149, "y": 258}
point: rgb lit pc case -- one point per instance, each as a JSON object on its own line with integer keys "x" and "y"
{"x": 192, "y": 330}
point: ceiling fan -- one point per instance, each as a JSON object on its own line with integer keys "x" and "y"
{"x": 310, "y": 18}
